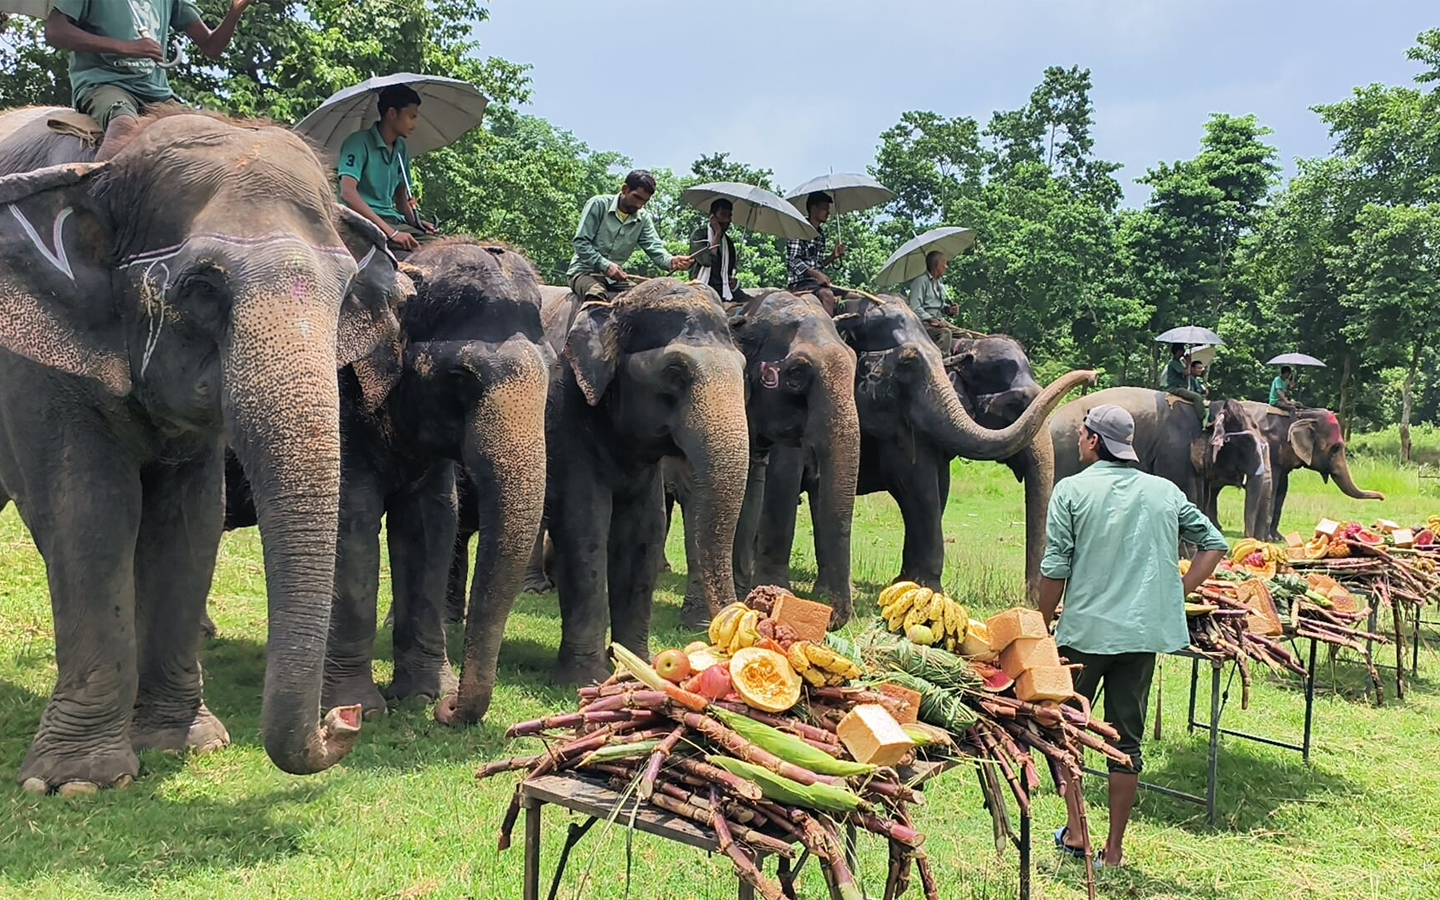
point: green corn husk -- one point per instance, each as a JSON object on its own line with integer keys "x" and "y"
{"x": 938, "y": 706}
{"x": 791, "y": 793}
{"x": 616, "y": 752}
{"x": 789, "y": 747}
{"x": 941, "y": 668}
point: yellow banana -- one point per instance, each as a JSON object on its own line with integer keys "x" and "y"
{"x": 796, "y": 654}
{"x": 893, "y": 617}
{"x": 745, "y": 633}
{"x": 722, "y": 629}
{"x": 888, "y": 595}
{"x": 814, "y": 677}
{"x": 827, "y": 659}
{"x": 955, "y": 619}
{"x": 900, "y": 604}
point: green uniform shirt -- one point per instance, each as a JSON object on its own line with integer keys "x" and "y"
{"x": 602, "y": 239}
{"x": 1112, "y": 536}
{"x": 927, "y": 297}
{"x": 377, "y": 169}
{"x": 117, "y": 19}
{"x": 1197, "y": 384}
{"x": 1276, "y": 387}
{"x": 1177, "y": 375}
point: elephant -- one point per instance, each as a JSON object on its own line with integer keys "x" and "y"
{"x": 197, "y": 287}
{"x": 650, "y": 374}
{"x": 1311, "y": 438}
{"x": 912, "y": 423}
{"x": 800, "y": 409}
{"x": 1170, "y": 444}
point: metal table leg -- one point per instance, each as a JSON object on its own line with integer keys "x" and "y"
{"x": 1194, "y": 682}
{"x": 1309, "y": 703}
{"x": 1025, "y": 846}
{"x": 1214, "y": 745}
{"x": 531, "y": 890}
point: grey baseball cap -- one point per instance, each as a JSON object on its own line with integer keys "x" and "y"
{"x": 1115, "y": 427}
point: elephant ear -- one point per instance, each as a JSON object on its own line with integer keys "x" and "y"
{"x": 379, "y": 291}
{"x": 591, "y": 349}
{"x": 56, "y": 307}
{"x": 1302, "y": 441}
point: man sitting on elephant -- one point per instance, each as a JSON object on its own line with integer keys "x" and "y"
{"x": 1280, "y": 390}
{"x": 806, "y": 260}
{"x": 114, "y": 48}
{"x": 1177, "y": 381}
{"x": 927, "y": 298}
{"x": 610, "y": 229}
{"x": 375, "y": 171}
{"x": 713, "y": 253}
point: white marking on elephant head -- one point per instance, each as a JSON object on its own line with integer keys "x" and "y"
{"x": 769, "y": 374}
{"x": 58, "y": 258}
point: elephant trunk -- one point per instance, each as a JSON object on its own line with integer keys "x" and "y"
{"x": 959, "y": 435}
{"x": 504, "y": 454}
{"x": 1039, "y": 476}
{"x": 714, "y": 437}
{"x": 1259, "y": 494}
{"x": 833, "y": 431}
{"x": 1340, "y": 471}
{"x": 282, "y": 417}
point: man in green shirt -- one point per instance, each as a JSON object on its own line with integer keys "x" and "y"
{"x": 1177, "y": 381}
{"x": 611, "y": 227}
{"x": 927, "y": 298}
{"x": 375, "y": 171}
{"x": 1110, "y": 550}
{"x": 1281, "y": 387}
{"x": 114, "y": 48}
{"x": 713, "y": 253}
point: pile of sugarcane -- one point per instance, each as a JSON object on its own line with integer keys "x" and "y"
{"x": 760, "y": 783}
{"x": 1219, "y": 631}
{"x": 1392, "y": 575}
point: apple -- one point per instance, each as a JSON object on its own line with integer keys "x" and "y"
{"x": 673, "y": 665}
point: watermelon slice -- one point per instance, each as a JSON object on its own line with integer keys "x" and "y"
{"x": 995, "y": 680}
{"x": 1424, "y": 538}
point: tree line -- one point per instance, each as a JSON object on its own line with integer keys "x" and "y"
{"x": 1342, "y": 261}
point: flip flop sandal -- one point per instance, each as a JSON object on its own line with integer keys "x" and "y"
{"x": 1072, "y": 852}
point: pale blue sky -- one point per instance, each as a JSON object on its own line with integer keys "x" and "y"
{"x": 814, "y": 83}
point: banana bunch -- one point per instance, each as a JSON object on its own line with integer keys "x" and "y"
{"x": 819, "y": 665}
{"x": 923, "y": 616}
{"x": 1271, "y": 553}
{"x": 735, "y": 628}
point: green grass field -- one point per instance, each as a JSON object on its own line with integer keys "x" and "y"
{"x": 402, "y": 816}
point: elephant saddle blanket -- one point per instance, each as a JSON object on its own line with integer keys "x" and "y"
{"x": 77, "y": 125}
{"x": 1175, "y": 400}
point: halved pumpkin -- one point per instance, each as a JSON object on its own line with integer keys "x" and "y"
{"x": 764, "y": 679}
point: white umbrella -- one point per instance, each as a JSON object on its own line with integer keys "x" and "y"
{"x": 1189, "y": 334}
{"x": 755, "y": 209}
{"x": 1296, "y": 359}
{"x": 1205, "y": 354}
{"x": 448, "y": 108}
{"x": 908, "y": 263}
{"x": 851, "y": 193}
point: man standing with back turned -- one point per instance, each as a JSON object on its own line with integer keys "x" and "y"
{"x": 1110, "y": 550}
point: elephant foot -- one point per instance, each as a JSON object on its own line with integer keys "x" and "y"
{"x": 694, "y": 614}
{"x": 589, "y": 670}
{"x": 356, "y": 689}
{"x": 201, "y": 732}
{"x": 390, "y": 618}
{"x": 421, "y": 683}
{"x": 537, "y": 583}
{"x": 64, "y": 769}
{"x": 841, "y": 612}
{"x": 207, "y": 627}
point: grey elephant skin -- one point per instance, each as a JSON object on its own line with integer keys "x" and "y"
{"x": 1170, "y": 444}
{"x": 800, "y": 408}
{"x": 912, "y": 424}
{"x": 151, "y": 308}
{"x": 1310, "y": 439}
{"x": 650, "y": 375}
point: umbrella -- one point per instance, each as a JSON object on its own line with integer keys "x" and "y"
{"x": 908, "y": 262}
{"x": 1205, "y": 354}
{"x": 1189, "y": 334}
{"x": 756, "y": 209}
{"x": 448, "y": 108}
{"x": 1295, "y": 359}
{"x": 851, "y": 193}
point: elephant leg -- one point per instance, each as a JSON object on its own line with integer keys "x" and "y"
{"x": 459, "y": 584}
{"x": 421, "y": 536}
{"x": 350, "y": 647}
{"x": 747, "y": 529}
{"x": 776, "y": 529}
{"x": 916, "y": 489}
{"x": 83, "y": 509}
{"x": 580, "y": 530}
{"x": 637, "y": 541}
{"x": 537, "y": 572}
{"x": 1282, "y": 487}
{"x": 180, "y": 526}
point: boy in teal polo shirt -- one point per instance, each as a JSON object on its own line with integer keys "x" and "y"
{"x": 114, "y": 46}
{"x": 375, "y": 171}
{"x": 1281, "y": 387}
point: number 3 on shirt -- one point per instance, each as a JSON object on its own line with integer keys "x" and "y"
{"x": 350, "y": 160}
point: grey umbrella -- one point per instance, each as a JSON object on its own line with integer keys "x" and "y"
{"x": 851, "y": 193}
{"x": 448, "y": 108}
{"x": 755, "y": 209}
{"x": 1189, "y": 334}
{"x": 1296, "y": 359}
{"x": 908, "y": 263}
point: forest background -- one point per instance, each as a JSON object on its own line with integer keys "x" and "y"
{"x": 1341, "y": 261}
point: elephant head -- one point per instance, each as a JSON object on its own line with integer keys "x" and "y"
{"x": 1237, "y": 453}
{"x": 1316, "y": 441}
{"x": 901, "y": 387}
{"x": 801, "y": 380}
{"x": 660, "y": 366}
{"x": 201, "y": 274}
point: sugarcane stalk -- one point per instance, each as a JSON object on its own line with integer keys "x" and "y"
{"x": 768, "y": 889}
{"x": 734, "y": 784}
{"x": 895, "y": 831}
{"x": 652, "y": 768}
{"x": 842, "y": 878}
{"x": 705, "y": 816}
{"x": 784, "y": 723}
{"x": 892, "y": 871}
{"x": 639, "y": 699}
{"x": 743, "y": 749}
{"x": 502, "y": 766}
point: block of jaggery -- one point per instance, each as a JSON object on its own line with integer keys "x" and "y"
{"x": 1013, "y": 624}
{"x": 1404, "y": 538}
{"x": 1029, "y": 653}
{"x": 1327, "y": 527}
{"x": 873, "y": 736}
{"x": 1386, "y": 526}
{"x": 809, "y": 619}
{"x": 1051, "y": 683}
{"x": 1264, "y": 618}
{"x": 906, "y": 703}
{"x": 1293, "y": 540}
